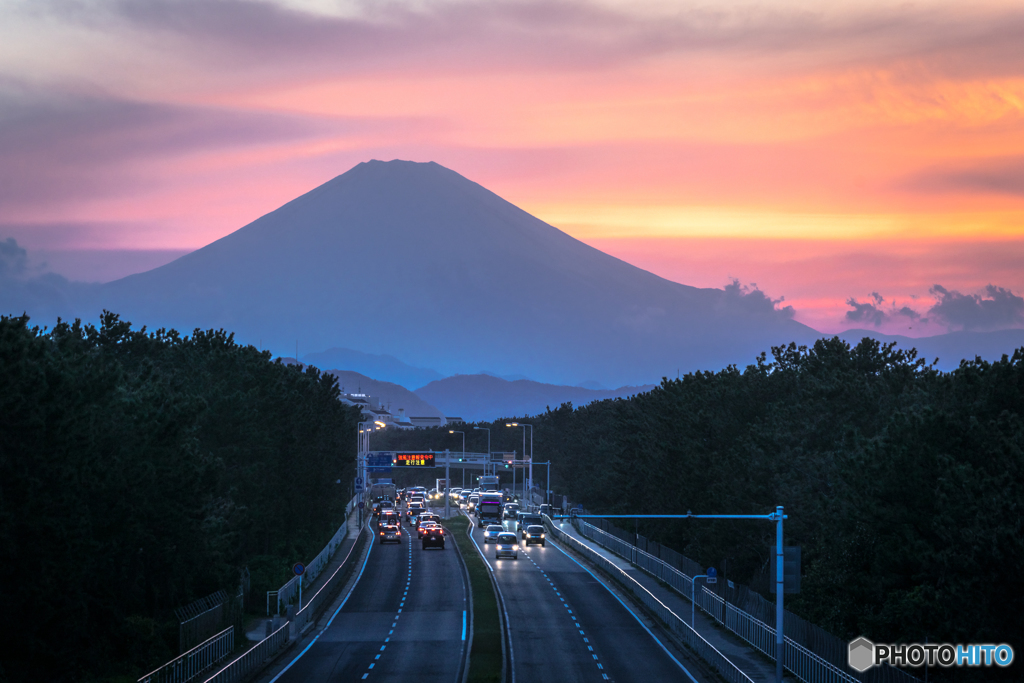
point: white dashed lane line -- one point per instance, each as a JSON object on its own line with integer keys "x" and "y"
{"x": 401, "y": 606}
{"x": 586, "y": 641}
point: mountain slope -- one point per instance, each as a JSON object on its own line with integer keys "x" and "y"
{"x": 385, "y": 368}
{"x": 415, "y": 261}
{"x": 484, "y": 397}
{"x": 392, "y": 395}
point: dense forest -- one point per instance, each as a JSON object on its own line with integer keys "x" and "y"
{"x": 142, "y": 470}
{"x": 904, "y": 485}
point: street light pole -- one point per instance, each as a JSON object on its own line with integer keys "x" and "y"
{"x": 448, "y": 483}
{"x": 488, "y": 430}
{"x": 530, "y": 476}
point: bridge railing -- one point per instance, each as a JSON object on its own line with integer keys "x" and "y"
{"x": 704, "y": 649}
{"x": 190, "y": 665}
{"x": 803, "y": 663}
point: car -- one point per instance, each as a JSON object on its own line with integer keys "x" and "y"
{"x": 382, "y": 505}
{"x": 389, "y": 516}
{"x": 413, "y": 510}
{"x": 424, "y": 519}
{"x": 546, "y": 509}
{"x": 491, "y": 533}
{"x": 510, "y": 511}
{"x": 464, "y": 496}
{"x": 424, "y": 528}
{"x": 534, "y": 534}
{"x": 527, "y": 519}
{"x": 506, "y": 545}
{"x": 390, "y": 532}
{"x": 433, "y": 537}
{"x": 473, "y": 500}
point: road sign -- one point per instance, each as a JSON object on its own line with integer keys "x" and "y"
{"x": 712, "y": 575}
{"x": 361, "y": 505}
{"x": 790, "y": 570}
{"x": 414, "y": 459}
{"x": 299, "y": 569}
{"x": 379, "y": 461}
{"x": 359, "y": 481}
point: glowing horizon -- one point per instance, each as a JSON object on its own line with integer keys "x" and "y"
{"x": 857, "y": 136}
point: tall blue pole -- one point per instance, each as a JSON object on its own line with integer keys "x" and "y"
{"x": 780, "y": 638}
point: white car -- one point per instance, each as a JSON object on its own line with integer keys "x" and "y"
{"x": 491, "y": 533}
{"x": 506, "y": 545}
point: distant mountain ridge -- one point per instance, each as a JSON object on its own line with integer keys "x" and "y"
{"x": 393, "y": 396}
{"x": 949, "y": 348}
{"x": 484, "y": 397}
{"x": 382, "y": 367}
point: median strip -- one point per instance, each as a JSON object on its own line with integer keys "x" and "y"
{"x": 485, "y": 656}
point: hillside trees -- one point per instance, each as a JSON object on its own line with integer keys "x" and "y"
{"x": 903, "y": 485}
{"x": 140, "y": 471}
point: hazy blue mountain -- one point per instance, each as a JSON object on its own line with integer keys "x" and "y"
{"x": 952, "y": 347}
{"x": 415, "y": 261}
{"x": 382, "y": 367}
{"x": 392, "y": 395}
{"x": 484, "y": 397}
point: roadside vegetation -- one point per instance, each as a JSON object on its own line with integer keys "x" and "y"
{"x": 140, "y": 471}
{"x": 903, "y": 484}
{"x": 485, "y": 656}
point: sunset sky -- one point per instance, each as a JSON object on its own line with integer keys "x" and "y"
{"x": 827, "y": 152}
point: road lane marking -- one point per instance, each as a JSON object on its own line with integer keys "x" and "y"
{"x": 642, "y": 624}
{"x": 366, "y": 560}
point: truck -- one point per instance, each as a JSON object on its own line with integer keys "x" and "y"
{"x": 380, "y": 490}
{"x": 489, "y": 508}
{"x": 442, "y": 485}
{"x": 489, "y": 482}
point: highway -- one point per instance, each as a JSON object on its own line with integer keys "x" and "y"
{"x": 404, "y": 620}
{"x": 567, "y": 627}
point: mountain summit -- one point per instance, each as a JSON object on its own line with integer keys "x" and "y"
{"x": 416, "y": 261}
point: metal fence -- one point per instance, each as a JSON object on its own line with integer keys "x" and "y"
{"x": 253, "y": 659}
{"x": 826, "y": 666}
{"x": 193, "y": 663}
{"x": 200, "y": 619}
{"x": 703, "y": 648}
{"x": 289, "y": 592}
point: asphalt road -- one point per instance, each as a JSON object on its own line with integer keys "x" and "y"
{"x": 567, "y": 627}
{"x": 403, "y": 621}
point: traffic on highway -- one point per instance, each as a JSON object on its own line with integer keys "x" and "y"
{"x": 409, "y": 614}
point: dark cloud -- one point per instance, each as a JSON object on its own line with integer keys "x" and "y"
{"x": 997, "y": 308}
{"x": 865, "y": 313}
{"x": 753, "y": 300}
{"x": 42, "y": 295}
{"x": 908, "y": 312}
{"x": 264, "y": 36}
{"x": 13, "y": 260}
{"x": 875, "y": 314}
{"x": 58, "y": 145}
{"x": 993, "y": 176}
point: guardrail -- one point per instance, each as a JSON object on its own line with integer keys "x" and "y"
{"x": 703, "y": 648}
{"x": 804, "y": 664}
{"x": 289, "y": 592}
{"x": 193, "y": 663}
{"x": 253, "y": 659}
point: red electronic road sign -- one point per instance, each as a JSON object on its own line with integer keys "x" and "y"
{"x": 413, "y": 460}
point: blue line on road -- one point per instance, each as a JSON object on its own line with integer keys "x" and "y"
{"x": 463, "y": 624}
{"x": 328, "y": 624}
{"x": 678, "y": 663}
